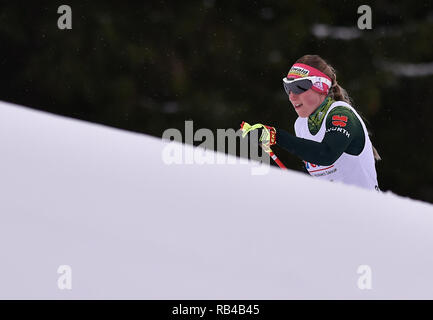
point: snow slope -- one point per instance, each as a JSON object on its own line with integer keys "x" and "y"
{"x": 102, "y": 201}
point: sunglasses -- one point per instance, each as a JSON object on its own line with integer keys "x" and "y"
{"x": 300, "y": 85}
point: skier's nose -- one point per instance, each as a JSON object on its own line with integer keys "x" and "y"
{"x": 292, "y": 96}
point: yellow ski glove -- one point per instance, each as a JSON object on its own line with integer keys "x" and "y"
{"x": 268, "y": 134}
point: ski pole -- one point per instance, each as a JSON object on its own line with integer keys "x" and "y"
{"x": 274, "y": 157}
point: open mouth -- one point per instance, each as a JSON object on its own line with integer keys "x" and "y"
{"x": 297, "y": 105}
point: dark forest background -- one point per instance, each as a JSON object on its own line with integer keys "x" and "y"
{"x": 147, "y": 66}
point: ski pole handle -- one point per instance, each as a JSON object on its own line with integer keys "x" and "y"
{"x": 246, "y": 127}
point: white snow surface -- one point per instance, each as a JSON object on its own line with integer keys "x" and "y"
{"x": 102, "y": 201}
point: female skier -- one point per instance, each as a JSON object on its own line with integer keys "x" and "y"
{"x": 331, "y": 137}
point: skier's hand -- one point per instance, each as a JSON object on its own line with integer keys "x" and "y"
{"x": 268, "y": 134}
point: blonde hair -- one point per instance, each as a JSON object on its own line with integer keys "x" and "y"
{"x": 336, "y": 91}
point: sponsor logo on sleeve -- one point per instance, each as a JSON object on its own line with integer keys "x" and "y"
{"x": 339, "y": 130}
{"x": 339, "y": 121}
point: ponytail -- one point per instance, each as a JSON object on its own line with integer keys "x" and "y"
{"x": 376, "y": 154}
{"x": 338, "y": 93}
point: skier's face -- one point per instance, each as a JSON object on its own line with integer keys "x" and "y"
{"x": 306, "y": 102}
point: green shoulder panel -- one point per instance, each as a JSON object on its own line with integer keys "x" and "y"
{"x": 343, "y": 121}
{"x": 341, "y": 116}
